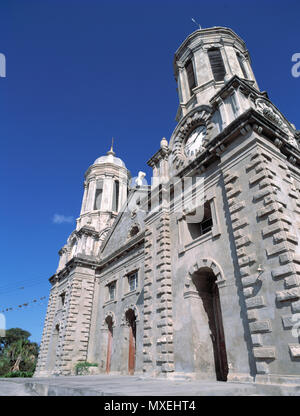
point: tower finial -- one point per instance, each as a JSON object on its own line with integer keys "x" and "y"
{"x": 111, "y": 151}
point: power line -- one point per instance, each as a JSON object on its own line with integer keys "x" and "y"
{"x": 23, "y": 281}
{"x": 24, "y": 305}
{"x": 20, "y": 285}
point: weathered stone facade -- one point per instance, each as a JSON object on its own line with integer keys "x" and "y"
{"x": 199, "y": 273}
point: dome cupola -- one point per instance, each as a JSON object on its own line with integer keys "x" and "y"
{"x": 105, "y": 190}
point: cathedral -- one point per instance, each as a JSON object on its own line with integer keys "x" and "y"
{"x": 197, "y": 274}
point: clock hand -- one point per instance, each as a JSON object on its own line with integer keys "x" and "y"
{"x": 190, "y": 144}
{"x": 193, "y": 141}
{"x": 195, "y": 138}
{"x": 200, "y": 132}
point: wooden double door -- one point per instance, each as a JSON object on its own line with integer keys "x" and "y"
{"x": 131, "y": 320}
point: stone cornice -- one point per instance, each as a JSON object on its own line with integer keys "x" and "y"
{"x": 256, "y": 96}
{"x": 102, "y": 168}
{"x": 161, "y": 154}
{"x": 87, "y": 230}
{"x": 236, "y": 82}
{"x": 204, "y": 35}
{"x": 251, "y": 119}
{"x": 79, "y": 261}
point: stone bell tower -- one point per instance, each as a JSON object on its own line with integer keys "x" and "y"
{"x": 222, "y": 294}
{"x": 105, "y": 192}
{"x": 67, "y": 325}
{"x": 205, "y": 61}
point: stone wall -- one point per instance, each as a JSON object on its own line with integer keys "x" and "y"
{"x": 116, "y": 309}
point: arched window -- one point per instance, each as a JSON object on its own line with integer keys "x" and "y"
{"x": 116, "y": 192}
{"x": 62, "y": 298}
{"x": 131, "y": 321}
{"x": 98, "y": 196}
{"x": 190, "y": 75}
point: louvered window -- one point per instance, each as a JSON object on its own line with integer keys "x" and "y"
{"x": 217, "y": 64}
{"x": 242, "y": 65}
{"x": 190, "y": 75}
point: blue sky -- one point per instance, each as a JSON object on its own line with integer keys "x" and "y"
{"x": 80, "y": 72}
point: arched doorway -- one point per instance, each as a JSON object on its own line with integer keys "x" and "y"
{"x": 109, "y": 323}
{"x": 131, "y": 321}
{"x": 205, "y": 283}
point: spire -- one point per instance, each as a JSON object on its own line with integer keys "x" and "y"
{"x": 111, "y": 151}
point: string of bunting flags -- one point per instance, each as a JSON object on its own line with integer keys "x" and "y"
{"x": 24, "y": 305}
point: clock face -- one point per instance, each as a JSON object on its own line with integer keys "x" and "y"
{"x": 194, "y": 141}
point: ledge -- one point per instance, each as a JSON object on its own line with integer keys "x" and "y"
{"x": 128, "y": 294}
{"x": 109, "y": 302}
{"x": 199, "y": 240}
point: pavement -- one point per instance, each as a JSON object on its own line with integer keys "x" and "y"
{"x": 116, "y": 385}
{"x": 9, "y": 388}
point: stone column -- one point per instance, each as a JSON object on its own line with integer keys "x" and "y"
{"x": 122, "y": 193}
{"x": 223, "y": 112}
{"x": 91, "y": 195}
{"x": 183, "y": 84}
{"x": 229, "y": 73}
{"x": 108, "y": 187}
{"x": 83, "y": 205}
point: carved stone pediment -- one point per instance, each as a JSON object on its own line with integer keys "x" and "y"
{"x": 272, "y": 114}
{"x": 202, "y": 116}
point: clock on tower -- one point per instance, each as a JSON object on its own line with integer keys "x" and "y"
{"x": 194, "y": 141}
